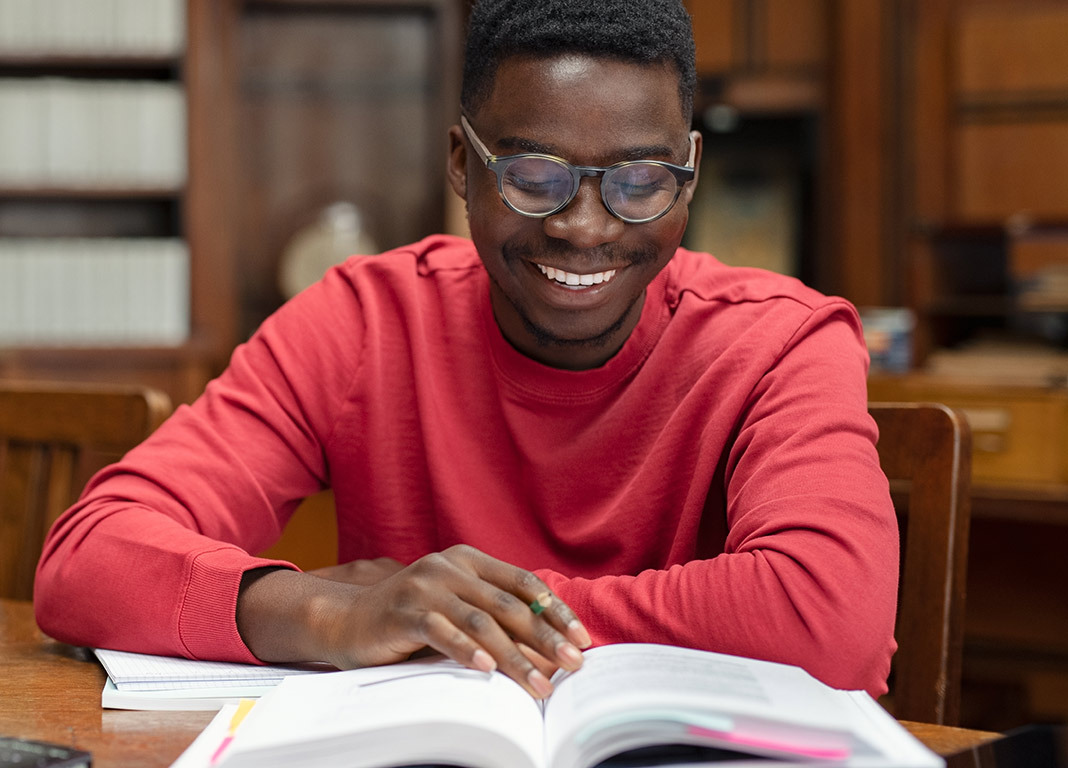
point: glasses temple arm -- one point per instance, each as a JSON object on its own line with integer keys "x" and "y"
{"x": 480, "y": 148}
{"x": 693, "y": 150}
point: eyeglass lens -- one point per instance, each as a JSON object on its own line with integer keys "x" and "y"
{"x": 635, "y": 191}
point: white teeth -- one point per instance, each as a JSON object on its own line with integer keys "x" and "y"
{"x": 572, "y": 278}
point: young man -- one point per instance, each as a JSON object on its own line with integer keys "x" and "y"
{"x": 568, "y": 431}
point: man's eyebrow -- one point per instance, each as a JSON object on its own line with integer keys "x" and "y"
{"x": 513, "y": 145}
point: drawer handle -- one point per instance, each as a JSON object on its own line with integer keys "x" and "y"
{"x": 990, "y": 427}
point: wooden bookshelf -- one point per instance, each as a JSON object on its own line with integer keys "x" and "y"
{"x": 290, "y": 106}
{"x": 43, "y": 207}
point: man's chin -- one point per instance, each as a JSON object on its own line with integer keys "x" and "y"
{"x": 575, "y": 338}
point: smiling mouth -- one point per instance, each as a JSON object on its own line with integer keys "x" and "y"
{"x": 574, "y": 279}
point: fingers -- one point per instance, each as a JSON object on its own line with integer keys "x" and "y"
{"x": 544, "y": 666}
{"x": 473, "y": 637}
{"x": 486, "y": 615}
{"x": 528, "y": 606}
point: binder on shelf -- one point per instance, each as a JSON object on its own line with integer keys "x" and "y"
{"x": 77, "y": 134}
{"x": 154, "y": 28}
{"x": 94, "y": 292}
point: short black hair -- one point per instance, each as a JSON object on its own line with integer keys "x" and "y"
{"x": 645, "y": 31}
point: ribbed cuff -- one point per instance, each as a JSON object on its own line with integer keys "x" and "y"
{"x": 207, "y": 621}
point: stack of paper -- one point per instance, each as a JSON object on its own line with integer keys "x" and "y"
{"x": 142, "y": 681}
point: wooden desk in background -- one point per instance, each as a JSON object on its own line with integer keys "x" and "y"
{"x": 1015, "y": 666}
{"x": 51, "y": 691}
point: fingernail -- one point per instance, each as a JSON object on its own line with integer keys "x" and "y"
{"x": 540, "y": 683}
{"x": 579, "y": 634}
{"x": 571, "y": 656}
{"x": 483, "y": 661}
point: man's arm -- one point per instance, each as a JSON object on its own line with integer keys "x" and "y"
{"x": 156, "y": 558}
{"x": 808, "y": 575}
{"x": 462, "y": 603}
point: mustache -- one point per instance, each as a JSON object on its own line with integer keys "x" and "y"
{"x": 610, "y": 254}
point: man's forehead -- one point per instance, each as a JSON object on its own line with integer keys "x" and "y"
{"x": 574, "y": 83}
{"x": 587, "y": 110}
{"x": 568, "y": 66}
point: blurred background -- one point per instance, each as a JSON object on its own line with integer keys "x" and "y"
{"x": 172, "y": 170}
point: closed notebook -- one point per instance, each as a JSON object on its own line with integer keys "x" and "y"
{"x": 146, "y": 681}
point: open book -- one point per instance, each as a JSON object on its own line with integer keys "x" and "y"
{"x": 633, "y": 700}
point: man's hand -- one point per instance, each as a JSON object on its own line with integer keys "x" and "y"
{"x": 461, "y": 602}
{"x": 366, "y": 573}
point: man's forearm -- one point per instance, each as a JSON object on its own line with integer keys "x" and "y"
{"x": 277, "y": 614}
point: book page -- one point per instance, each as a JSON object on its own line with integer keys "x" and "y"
{"x": 630, "y": 695}
{"x": 402, "y": 714}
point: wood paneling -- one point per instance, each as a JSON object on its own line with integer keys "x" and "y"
{"x": 750, "y": 36}
{"x": 714, "y": 29}
{"x": 1011, "y": 49}
{"x": 1009, "y": 168}
{"x": 860, "y": 169}
{"x": 797, "y": 33}
{"x": 926, "y": 76}
{"x": 212, "y": 170}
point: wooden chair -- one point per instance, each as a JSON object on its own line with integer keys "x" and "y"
{"x": 52, "y": 438}
{"x": 925, "y": 451}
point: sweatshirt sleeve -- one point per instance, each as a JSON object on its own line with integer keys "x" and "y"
{"x": 809, "y": 572}
{"x": 151, "y": 557}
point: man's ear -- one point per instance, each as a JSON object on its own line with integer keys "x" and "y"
{"x": 688, "y": 190}
{"x": 457, "y": 168}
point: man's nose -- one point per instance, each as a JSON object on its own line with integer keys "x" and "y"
{"x": 585, "y": 222}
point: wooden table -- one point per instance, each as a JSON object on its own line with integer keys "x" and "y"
{"x": 51, "y": 691}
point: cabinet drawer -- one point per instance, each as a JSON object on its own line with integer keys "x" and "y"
{"x": 1018, "y": 436}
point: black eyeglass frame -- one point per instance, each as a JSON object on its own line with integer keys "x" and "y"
{"x": 499, "y": 165}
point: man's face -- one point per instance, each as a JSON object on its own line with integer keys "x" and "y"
{"x": 588, "y": 111}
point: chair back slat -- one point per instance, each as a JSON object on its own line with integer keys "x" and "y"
{"x": 52, "y": 438}
{"x": 925, "y": 448}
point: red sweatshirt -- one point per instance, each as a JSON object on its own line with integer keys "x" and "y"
{"x": 715, "y": 484}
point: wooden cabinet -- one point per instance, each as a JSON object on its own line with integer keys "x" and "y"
{"x": 1009, "y": 120}
{"x": 736, "y": 36}
{"x": 989, "y": 85}
{"x": 763, "y": 56}
{"x": 986, "y": 135}
{"x": 1018, "y": 432}
{"x": 342, "y": 103}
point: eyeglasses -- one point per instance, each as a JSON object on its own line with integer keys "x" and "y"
{"x": 536, "y": 185}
